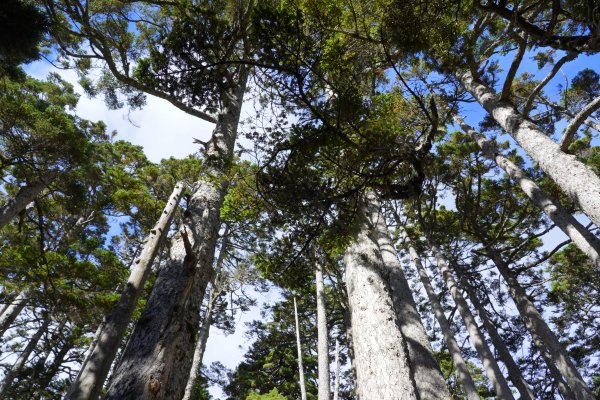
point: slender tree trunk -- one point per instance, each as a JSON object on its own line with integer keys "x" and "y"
{"x": 24, "y": 196}
{"x": 425, "y": 371}
{"x": 322, "y": 335}
{"x": 55, "y": 365}
{"x": 464, "y": 375}
{"x": 12, "y": 311}
{"x": 215, "y": 292}
{"x": 89, "y": 381}
{"x": 477, "y": 339}
{"x": 336, "y": 385}
{"x": 380, "y": 352}
{"x": 547, "y": 342}
{"x": 581, "y": 237}
{"x": 576, "y": 179}
{"x": 156, "y": 362}
{"x": 22, "y": 359}
{"x": 300, "y": 367}
{"x": 514, "y": 372}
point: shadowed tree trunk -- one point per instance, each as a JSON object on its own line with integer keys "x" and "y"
{"x": 576, "y": 179}
{"x": 93, "y": 372}
{"x": 156, "y": 362}
{"x": 300, "y": 367}
{"x": 380, "y": 354}
{"x": 464, "y": 375}
{"x": 322, "y": 334}
{"x": 477, "y": 339}
{"x": 581, "y": 237}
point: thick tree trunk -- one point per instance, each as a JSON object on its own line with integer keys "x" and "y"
{"x": 547, "y": 342}
{"x": 322, "y": 335}
{"x": 93, "y": 373}
{"x": 576, "y": 179}
{"x": 12, "y": 310}
{"x": 426, "y": 373}
{"x": 24, "y": 196}
{"x": 380, "y": 352}
{"x": 215, "y": 292}
{"x": 477, "y": 339}
{"x": 336, "y": 385}
{"x": 22, "y": 359}
{"x": 514, "y": 372}
{"x": 299, "y": 347}
{"x": 581, "y": 237}
{"x": 156, "y": 362}
{"x": 464, "y": 375}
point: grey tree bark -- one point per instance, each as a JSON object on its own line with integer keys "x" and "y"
{"x": 477, "y": 339}
{"x": 464, "y": 375}
{"x": 24, "y": 196}
{"x": 550, "y": 347}
{"x": 156, "y": 362}
{"x": 93, "y": 372}
{"x": 425, "y": 371}
{"x": 322, "y": 335}
{"x": 380, "y": 354}
{"x": 215, "y": 292}
{"x": 514, "y": 372}
{"x": 576, "y": 179}
{"x": 298, "y": 345}
{"x": 581, "y": 237}
{"x": 22, "y": 359}
{"x": 12, "y": 310}
{"x": 336, "y": 385}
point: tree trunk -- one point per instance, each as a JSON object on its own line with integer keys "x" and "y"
{"x": 464, "y": 375}
{"x": 581, "y": 237}
{"x": 514, "y": 372}
{"x": 300, "y": 367}
{"x": 380, "y": 353}
{"x": 55, "y": 365}
{"x": 322, "y": 335}
{"x": 576, "y": 179}
{"x": 24, "y": 196}
{"x": 477, "y": 339}
{"x": 89, "y": 381}
{"x": 547, "y": 342}
{"x": 336, "y": 385}
{"x": 214, "y": 294}
{"x": 22, "y": 359}
{"x": 156, "y": 362}
{"x": 12, "y": 311}
{"x": 425, "y": 371}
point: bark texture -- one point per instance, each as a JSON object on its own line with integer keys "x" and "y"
{"x": 298, "y": 345}
{"x": 93, "y": 373}
{"x": 380, "y": 353}
{"x": 550, "y": 347}
{"x": 581, "y": 237}
{"x": 156, "y": 362}
{"x": 476, "y": 337}
{"x": 24, "y": 196}
{"x": 425, "y": 371}
{"x": 576, "y": 179}
{"x": 464, "y": 375}
{"x": 322, "y": 335}
{"x": 514, "y": 372}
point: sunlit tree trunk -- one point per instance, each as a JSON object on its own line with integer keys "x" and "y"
{"x": 464, "y": 375}
{"x": 93, "y": 373}
{"x": 156, "y": 362}
{"x": 514, "y": 372}
{"x": 477, "y": 339}
{"x": 380, "y": 354}
{"x": 24, "y": 196}
{"x": 425, "y": 371}
{"x": 322, "y": 334}
{"x": 336, "y": 385}
{"x": 546, "y": 341}
{"x": 576, "y": 179}
{"x": 12, "y": 310}
{"x": 301, "y": 380}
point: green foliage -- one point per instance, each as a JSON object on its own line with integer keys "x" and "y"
{"x": 449, "y": 371}
{"x": 272, "y": 395}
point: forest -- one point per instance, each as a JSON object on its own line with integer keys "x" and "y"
{"x": 397, "y": 200}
